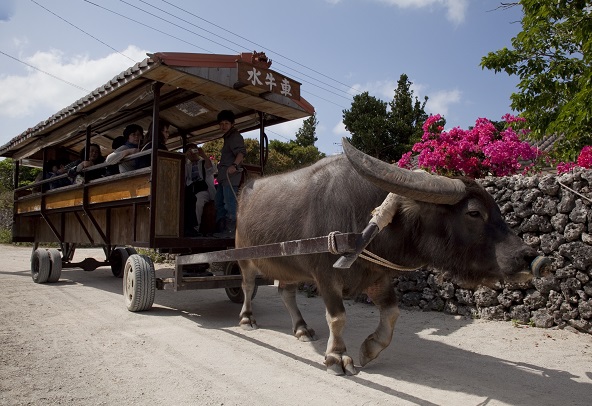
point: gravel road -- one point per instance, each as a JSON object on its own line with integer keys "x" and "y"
{"x": 74, "y": 343}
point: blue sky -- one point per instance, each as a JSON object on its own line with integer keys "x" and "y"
{"x": 335, "y": 48}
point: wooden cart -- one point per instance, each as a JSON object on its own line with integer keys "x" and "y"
{"x": 145, "y": 208}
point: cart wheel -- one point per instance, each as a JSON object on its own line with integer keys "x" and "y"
{"x": 236, "y": 295}
{"x": 56, "y": 265}
{"x": 40, "y": 265}
{"x": 139, "y": 283}
{"x": 131, "y": 250}
{"x": 117, "y": 260}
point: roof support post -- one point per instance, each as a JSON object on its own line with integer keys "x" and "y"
{"x": 87, "y": 143}
{"x": 154, "y": 159}
{"x": 263, "y": 143}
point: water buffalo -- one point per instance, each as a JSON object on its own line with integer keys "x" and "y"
{"x": 450, "y": 224}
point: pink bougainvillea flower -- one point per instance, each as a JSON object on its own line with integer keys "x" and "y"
{"x": 483, "y": 150}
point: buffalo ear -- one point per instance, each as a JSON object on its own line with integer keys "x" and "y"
{"x": 416, "y": 185}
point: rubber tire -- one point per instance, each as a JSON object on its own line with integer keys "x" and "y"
{"x": 131, "y": 251}
{"x": 55, "y": 273}
{"x": 139, "y": 283}
{"x": 236, "y": 295}
{"x": 118, "y": 259}
{"x": 40, "y": 265}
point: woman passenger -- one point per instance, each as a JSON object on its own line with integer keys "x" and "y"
{"x": 133, "y": 135}
{"x": 163, "y": 136}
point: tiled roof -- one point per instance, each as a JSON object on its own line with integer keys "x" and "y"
{"x": 136, "y": 70}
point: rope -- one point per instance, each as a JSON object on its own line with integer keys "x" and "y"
{"x": 383, "y": 214}
{"x": 367, "y": 255}
{"x": 573, "y": 191}
{"x": 372, "y": 257}
{"x": 230, "y": 183}
{"x": 332, "y": 243}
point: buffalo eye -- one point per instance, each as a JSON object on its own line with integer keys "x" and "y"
{"x": 474, "y": 209}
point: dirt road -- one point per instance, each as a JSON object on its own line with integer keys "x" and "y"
{"x": 75, "y": 343}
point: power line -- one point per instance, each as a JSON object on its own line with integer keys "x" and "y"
{"x": 162, "y": 32}
{"x": 80, "y": 29}
{"x": 147, "y": 26}
{"x": 47, "y": 73}
{"x": 201, "y": 36}
{"x": 222, "y": 45}
{"x": 177, "y": 38}
{"x": 261, "y": 46}
{"x": 234, "y": 43}
{"x": 176, "y": 25}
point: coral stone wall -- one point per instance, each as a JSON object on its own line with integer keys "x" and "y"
{"x": 551, "y": 213}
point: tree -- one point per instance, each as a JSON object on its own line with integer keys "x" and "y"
{"x": 283, "y": 156}
{"x": 384, "y": 134}
{"x": 6, "y": 175}
{"x": 27, "y": 175}
{"x": 305, "y": 136}
{"x": 552, "y": 59}
{"x": 406, "y": 117}
{"x": 367, "y": 121}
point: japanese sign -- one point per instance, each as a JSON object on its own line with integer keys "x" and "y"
{"x": 269, "y": 80}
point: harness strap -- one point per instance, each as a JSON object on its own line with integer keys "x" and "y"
{"x": 370, "y": 256}
{"x": 367, "y": 255}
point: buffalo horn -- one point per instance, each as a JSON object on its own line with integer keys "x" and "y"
{"x": 416, "y": 185}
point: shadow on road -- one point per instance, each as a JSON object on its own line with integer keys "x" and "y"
{"x": 414, "y": 356}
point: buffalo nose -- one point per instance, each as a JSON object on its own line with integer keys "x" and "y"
{"x": 540, "y": 265}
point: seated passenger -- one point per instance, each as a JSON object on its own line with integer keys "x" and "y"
{"x": 133, "y": 135}
{"x": 163, "y": 136}
{"x": 56, "y": 168}
{"x": 94, "y": 158}
{"x": 199, "y": 187}
{"x": 114, "y": 169}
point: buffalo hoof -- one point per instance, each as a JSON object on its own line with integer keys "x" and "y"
{"x": 305, "y": 334}
{"x": 248, "y": 323}
{"x": 370, "y": 349}
{"x": 340, "y": 364}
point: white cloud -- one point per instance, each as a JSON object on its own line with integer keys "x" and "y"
{"x": 382, "y": 89}
{"x": 282, "y": 132}
{"x": 440, "y": 101}
{"x": 339, "y": 129}
{"x": 25, "y": 95}
{"x": 455, "y": 9}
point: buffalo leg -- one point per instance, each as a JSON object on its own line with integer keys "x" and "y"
{"x": 383, "y": 296}
{"x": 337, "y": 360}
{"x": 247, "y": 321}
{"x": 301, "y": 331}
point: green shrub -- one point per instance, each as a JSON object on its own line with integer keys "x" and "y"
{"x": 156, "y": 257}
{"x": 5, "y": 236}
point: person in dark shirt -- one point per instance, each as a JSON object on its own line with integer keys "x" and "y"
{"x": 133, "y": 135}
{"x": 94, "y": 158}
{"x": 117, "y": 142}
{"x": 229, "y": 175}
